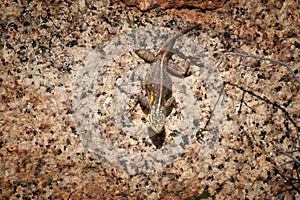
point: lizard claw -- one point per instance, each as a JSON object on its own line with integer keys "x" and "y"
{"x": 178, "y": 113}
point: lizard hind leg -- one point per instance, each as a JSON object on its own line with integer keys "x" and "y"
{"x": 142, "y": 100}
{"x": 177, "y": 71}
{"x": 147, "y": 56}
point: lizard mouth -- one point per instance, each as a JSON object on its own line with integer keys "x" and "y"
{"x": 156, "y": 128}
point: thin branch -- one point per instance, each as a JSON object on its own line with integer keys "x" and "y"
{"x": 291, "y": 182}
{"x": 241, "y": 104}
{"x": 267, "y": 101}
{"x": 287, "y": 154}
{"x": 261, "y": 58}
{"x": 213, "y": 110}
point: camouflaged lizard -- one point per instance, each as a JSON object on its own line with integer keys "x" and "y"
{"x": 158, "y": 84}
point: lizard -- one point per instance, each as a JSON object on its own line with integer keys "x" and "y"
{"x": 158, "y": 84}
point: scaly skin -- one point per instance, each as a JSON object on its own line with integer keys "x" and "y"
{"x": 158, "y": 85}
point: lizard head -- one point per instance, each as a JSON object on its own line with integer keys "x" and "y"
{"x": 156, "y": 118}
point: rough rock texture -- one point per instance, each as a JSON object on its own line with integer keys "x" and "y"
{"x": 43, "y": 46}
{"x": 147, "y": 5}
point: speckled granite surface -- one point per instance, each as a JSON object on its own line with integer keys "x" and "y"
{"x": 43, "y": 48}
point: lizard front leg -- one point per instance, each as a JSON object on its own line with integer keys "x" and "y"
{"x": 170, "y": 104}
{"x": 143, "y": 101}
